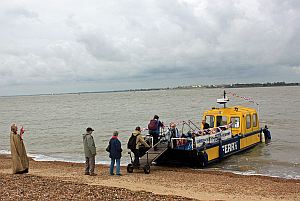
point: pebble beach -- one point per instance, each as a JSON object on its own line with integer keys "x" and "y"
{"x": 66, "y": 181}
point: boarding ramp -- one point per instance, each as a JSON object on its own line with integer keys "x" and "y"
{"x": 154, "y": 152}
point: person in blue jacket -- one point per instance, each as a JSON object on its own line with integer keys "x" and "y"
{"x": 114, "y": 149}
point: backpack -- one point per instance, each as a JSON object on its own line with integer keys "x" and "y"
{"x": 153, "y": 125}
{"x": 132, "y": 142}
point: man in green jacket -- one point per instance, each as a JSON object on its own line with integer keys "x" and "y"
{"x": 89, "y": 152}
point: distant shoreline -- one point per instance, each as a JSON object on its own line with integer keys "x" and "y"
{"x": 212, "y": 86}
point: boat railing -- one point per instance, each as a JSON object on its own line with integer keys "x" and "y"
{"x": 212, "y": 138}
{"x": 191, "y": 126}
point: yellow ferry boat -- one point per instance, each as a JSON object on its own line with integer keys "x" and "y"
{"x": 224, "y": 131}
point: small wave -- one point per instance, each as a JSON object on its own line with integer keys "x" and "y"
{"x": 283, "y": 175}
{"x": 253, "y": 173}
{"x": 41, "y": 157}
{"x": 4, "y": 152}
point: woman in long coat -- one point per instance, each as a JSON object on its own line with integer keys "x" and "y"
{"x": 20, "y": 163}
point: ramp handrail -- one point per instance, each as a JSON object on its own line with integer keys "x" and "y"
{"x": 149, "y": 137}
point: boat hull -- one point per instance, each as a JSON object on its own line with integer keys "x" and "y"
{"x": 210, "y": 153}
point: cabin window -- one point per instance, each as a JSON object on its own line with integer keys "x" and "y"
{"x": 254, "y": 118}
{"x": 221, "y": 120}
{"x": 210, "y": 120}
{"x": 248, "y": 121}
{"x": 235, "y": 122}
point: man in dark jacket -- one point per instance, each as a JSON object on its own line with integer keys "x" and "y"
{"x": 204, "y": 124}
{"x": 114, "y": 149}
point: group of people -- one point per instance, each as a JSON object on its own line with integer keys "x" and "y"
{"x": 139, "y": 147}
{"x": 20, "y": 162}
{"x": 207, "y": 130}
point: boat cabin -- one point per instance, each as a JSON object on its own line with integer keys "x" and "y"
{"x": 241, "y": 119}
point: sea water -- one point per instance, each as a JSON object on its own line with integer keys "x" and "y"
{"x": 54, "y": 124}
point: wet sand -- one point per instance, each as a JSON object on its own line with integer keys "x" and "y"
{"x": 65, "y": 181}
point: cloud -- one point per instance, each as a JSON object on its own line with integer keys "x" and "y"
{"x": 179, "y": 41}
{"x": 296, "y": 69}
{"x": 18, "y": 12}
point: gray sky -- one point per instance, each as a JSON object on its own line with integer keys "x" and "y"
{"x": 54, "y": 46}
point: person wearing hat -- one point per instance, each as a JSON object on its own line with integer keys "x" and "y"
{"x": 89, "y": 152}
{"x": 114, "y": 149}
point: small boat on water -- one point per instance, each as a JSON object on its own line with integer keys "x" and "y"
{"x": 224, "y": 131}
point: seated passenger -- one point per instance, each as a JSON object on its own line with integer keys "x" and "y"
{"x": 207, "y": 131}
{"x": 197, "y": 133}
{"x": 214, "y": 130}
{"x": 223, "y": 128}
{"x": 181, "y": 141}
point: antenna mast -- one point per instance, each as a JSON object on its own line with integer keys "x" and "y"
{"x": 223, "y": 100}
